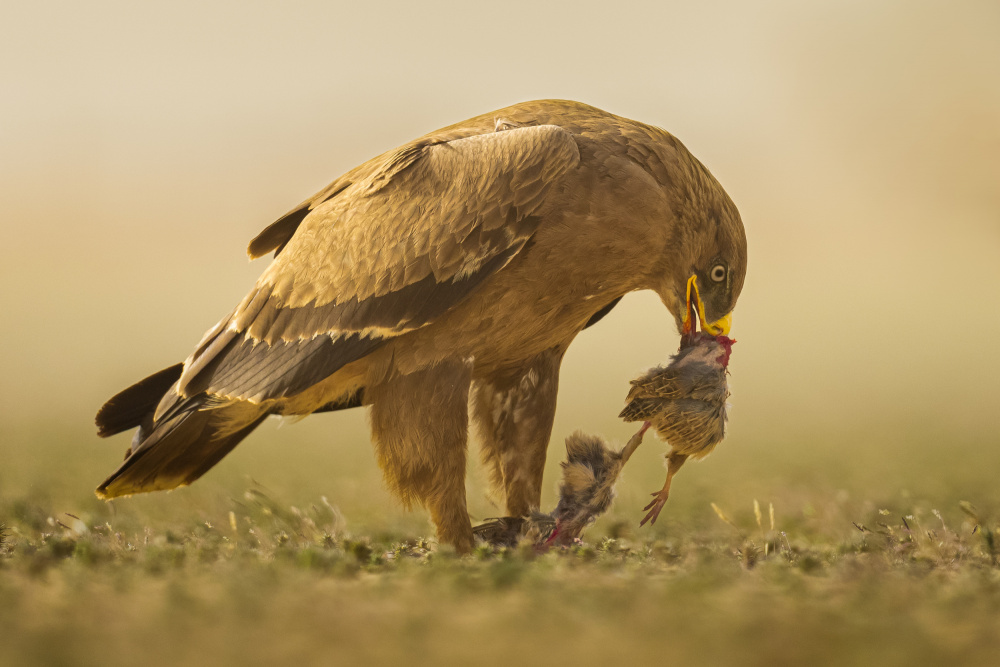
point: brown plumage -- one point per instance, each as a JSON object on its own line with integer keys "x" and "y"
{"x": 685, "y": 402}
{"x": 590, "y": 472}
{"x": 451, "y": 272}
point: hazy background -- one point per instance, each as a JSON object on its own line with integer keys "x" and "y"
{"x": 142, "y": 147}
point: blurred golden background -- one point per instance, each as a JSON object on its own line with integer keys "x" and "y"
{"x": 142, "y": 146}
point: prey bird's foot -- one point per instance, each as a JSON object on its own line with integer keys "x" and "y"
{"x": 659, "y": 500}
{"x": 674, "y": 463}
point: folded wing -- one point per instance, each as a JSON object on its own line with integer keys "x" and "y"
{"x": 385, "y": 252}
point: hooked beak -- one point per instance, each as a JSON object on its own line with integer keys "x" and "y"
{"x": 718, "y": 328}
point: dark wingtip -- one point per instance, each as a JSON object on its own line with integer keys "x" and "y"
{"x": 178, "y": 450}
{"x": 126, "y": 409}
{"x": 599, "y": 315}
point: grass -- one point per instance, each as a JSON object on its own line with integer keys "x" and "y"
{"x": 883, "y": 550}
{"x": 257, "y": 580}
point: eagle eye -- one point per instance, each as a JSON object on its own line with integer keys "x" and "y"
{"x": 718, "y": 273}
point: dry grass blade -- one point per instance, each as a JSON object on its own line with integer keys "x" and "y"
{"x": 722, "y": 515}
{"x": 970, "y": 511}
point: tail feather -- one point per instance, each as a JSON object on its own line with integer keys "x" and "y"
{"x": 182, "y": 446}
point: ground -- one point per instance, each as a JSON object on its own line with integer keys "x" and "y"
{"x": 887, "y": 570}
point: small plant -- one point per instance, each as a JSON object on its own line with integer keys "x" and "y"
{"x": 774, "y": 541}
{"x": 991, "y": 537}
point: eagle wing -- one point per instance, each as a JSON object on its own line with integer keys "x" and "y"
{"x": 384, "y": 250}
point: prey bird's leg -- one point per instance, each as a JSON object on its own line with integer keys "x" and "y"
{"x": 634, "y": 442}
{"x": 674, "y": 463}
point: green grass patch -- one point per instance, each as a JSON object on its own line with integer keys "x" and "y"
{"x": 255, "y": 580}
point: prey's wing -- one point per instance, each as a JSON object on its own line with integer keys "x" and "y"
{"x": 390, "y": 250}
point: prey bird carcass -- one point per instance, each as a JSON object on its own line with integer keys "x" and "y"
{"x": 589, "y": 474}
{"x": 684, "y": 401}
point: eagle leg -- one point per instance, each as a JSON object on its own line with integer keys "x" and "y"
{"x": 514, "y": 411}
{"x": 420, "y": 427}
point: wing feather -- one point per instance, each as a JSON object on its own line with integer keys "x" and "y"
{"x": 386, "y": 249}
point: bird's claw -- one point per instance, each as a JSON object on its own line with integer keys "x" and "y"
{"x": 653, "y": 509}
